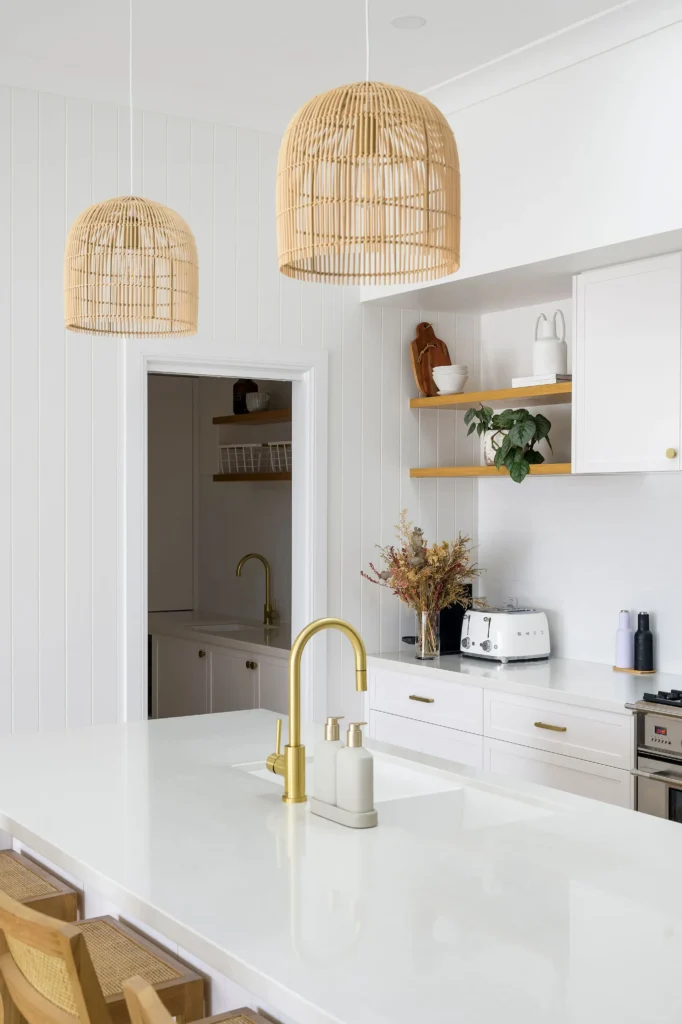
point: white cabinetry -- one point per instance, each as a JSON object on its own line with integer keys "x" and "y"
{"x": 273, "y": 680}
{"x": 598, "y": 781}
{"x": 234, "y": 680}
{"x": 180, "y": 683}
{"x": 451, "y": 744}
{"x": 627, "y": 359}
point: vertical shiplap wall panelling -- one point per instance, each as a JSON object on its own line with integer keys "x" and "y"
{"x": 25, "y": 409}
{"x": 6, "y": 226}
{"x": 201, "y": 216}
{"x": 332, "y": 331}
{"x": 428, "y": 455}
{"x": 268, "y": 272}
{"x": 370, "y": 484}
{"x": 51, "y": 446}
{"x": 409, "y": 441}
{"x": 247, "y": 235}
{"x": 446, "y": 422}
{"x": 391, "y": 467}
{"x": 466, "y": 448}
{"x": 105, "y": 434}
{"x": 154, "y": 157}
{"x": 225, "y": 227}
{"x": 78, "y": 446}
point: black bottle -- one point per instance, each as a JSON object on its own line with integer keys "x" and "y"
{"x": 644, "y": 644}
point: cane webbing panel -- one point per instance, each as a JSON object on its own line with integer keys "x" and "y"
{"x": 47, "y": 974}
{"x": 20, "y": 882}
{"x": 116, "y": 957}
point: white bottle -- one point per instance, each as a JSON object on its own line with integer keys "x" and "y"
{"x": 355, "y": 774}
{"x": 625, "y": 642}
{"x": 324, "y": 761}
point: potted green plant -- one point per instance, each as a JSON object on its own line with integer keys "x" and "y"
{"x": 512, "y": 436}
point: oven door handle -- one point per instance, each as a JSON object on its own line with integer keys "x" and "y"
{"x": 671, "y": 780}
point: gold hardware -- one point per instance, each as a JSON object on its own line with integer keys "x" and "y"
{"x": 252, "y": 664}
{"x": 275, "y": 763}
{"x": 354, "y": 736}
{"x": 331, "y": 727}
{"x": 424, "y": 700}
{"x": 552, "y": 728}
{"x": 270, "y": 607}
{"x": 202, "y": 654}
{"x": 671, "y": 453}
{"x": 291, "y": 764}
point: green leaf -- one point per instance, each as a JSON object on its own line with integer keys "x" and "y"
{"x": 522, "y": 433}
{"x": 487, "y": 410}
{"x": 506, "y": 419}
{"x": 542, "y": 426}
{"x": 518, "y": 471}
{"x": 481, "y": 428}
{"x": 533, "y": 457}
{"x": 472, "y": 427}
{"x": 499, "y": 458}
{"x": 469, "y": 415}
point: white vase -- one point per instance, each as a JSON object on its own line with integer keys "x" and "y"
{"x": 488, "y": 448}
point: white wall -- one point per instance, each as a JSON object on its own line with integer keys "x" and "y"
{"x": 61, "y": 403}
{"x": 581, "y": 548}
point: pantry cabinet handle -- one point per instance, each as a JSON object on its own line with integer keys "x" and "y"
{"x": 424, "y": 700}
{"x": 552, "y": 728}
{"x": 202, "y": 654}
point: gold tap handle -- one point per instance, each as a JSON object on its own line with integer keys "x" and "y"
{"x": 278, "y": 735}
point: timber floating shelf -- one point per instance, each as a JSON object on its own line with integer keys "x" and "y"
{"x": 544, "y": 469}
{"x": 546, "y": 394}
{"x": 249, "y": 419}
{"x": 248, "y": 478}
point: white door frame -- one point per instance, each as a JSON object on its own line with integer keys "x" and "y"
{"x": 307, "y": 370}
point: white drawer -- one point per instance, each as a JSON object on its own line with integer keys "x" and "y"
{"x": 451, "y": 744}
{"x": 612, "y": 785}
{"x": 446, "y": 703}
{"x": 604, "y": 737}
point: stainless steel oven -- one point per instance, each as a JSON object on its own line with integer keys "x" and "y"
{"x": 658, "y": 775}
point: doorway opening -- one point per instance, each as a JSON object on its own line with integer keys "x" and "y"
{"x": 219, "y": 542}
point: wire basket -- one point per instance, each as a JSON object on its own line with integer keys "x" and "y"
{"x": 279, "y": 456}
{"x": 242, "y": 458}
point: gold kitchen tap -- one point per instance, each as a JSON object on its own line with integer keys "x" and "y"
{"x": 270, "y": 607}
{"x": 291, "y": 764}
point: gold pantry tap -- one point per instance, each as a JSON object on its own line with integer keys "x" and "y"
{"x": 291, "y": 764}
{"x": 270, "y": 607}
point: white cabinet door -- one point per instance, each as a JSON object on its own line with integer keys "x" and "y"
{"x": 180, "y": 677}
{"x": 627, "y": 405}
{"x": 451, "y": 744}
{"x": 598, "y": 781}
{"x": 233, "y": 680}
{"x": 274, "y": 683}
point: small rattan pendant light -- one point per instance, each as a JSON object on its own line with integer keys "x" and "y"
{"x": 368, "y": 188}
{"x": 130, "y": 266}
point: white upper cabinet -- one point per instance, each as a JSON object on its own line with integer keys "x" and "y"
{"x": 627, "y": 397}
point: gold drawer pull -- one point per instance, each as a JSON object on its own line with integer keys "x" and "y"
{"x": 552, "y": 728}
{"x": 424, "y": 700}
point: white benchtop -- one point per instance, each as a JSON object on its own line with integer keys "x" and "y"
{"x": 204, "y": 627}
{"x": 483, "y": 902}
{"x": 583, "y": 683}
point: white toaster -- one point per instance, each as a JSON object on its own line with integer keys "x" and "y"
{"x": 505, "y": 634}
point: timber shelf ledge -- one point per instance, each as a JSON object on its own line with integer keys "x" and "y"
{"x": 248, "y": 478}
{"x": 546, "y": 394}
{"x": 544, "y": 469}
{"x": 250, "y": 419}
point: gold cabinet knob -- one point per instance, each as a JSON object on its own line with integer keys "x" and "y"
{"x": 671, "y": 453}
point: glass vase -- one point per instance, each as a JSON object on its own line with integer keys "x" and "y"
{"x": 428, "y": 635}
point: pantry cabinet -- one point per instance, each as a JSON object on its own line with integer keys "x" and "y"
{"x": 180, "y": 679}
{"x": 233, "y": 680}
{"x": 627, "y": 396}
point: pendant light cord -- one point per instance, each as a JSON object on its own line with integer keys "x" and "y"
{"x": 366, "y": 39}
{"x": 130, "y": 85}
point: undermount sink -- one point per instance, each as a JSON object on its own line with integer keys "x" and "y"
{"x": 392, "y": 781}
{"x": 227, "y": 627}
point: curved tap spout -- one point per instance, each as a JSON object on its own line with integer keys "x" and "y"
{"x": 269, "y": 608}
{"x": 291, "y": 763}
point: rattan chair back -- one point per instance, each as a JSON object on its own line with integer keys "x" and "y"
{"x": 46, "y": 969}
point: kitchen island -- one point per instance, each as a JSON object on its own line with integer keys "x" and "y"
{"x": 476, "y": 899}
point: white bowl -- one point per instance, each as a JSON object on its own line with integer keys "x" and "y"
{"x": 257, "y": 401}
{"x": 449, "y": 383}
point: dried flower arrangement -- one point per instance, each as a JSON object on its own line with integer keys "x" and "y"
{"x": 425, "y": 577}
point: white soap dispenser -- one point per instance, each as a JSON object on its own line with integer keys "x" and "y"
{"x": 324, "y": 761}
{"x": 355, "y": 774}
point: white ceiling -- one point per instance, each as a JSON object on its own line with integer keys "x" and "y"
{"x": 253, "y": 64}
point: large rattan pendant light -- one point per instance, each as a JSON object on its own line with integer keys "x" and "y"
{"x": 368, "y": 188}
{"x": 131, "y": 266}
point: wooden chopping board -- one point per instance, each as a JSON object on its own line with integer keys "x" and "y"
{"x": 427, "y": 351}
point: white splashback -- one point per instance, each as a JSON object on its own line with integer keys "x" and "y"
{"x": 582, "y": 547}
{"x": 61, "y": 401}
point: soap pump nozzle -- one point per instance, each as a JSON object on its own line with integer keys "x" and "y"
{"x": 355, "y": 734}
{"x": 331, "y": 727}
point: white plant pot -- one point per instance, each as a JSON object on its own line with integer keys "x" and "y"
{"x": 488, "y": 448}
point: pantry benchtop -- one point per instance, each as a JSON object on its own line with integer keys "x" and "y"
{"x": 583, "y": 683}
{"x": 482, "y": 901}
